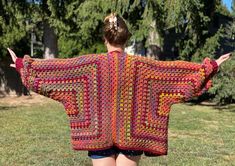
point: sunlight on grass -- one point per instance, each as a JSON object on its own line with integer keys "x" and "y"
{"x": 39, "y": 135}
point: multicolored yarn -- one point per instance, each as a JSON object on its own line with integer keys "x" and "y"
{"x": 117, "y": 99}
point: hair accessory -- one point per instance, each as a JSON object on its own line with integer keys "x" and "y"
{"x": 113, "y": 22}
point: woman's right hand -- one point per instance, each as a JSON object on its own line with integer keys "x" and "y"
{"x": 13, "y": 57}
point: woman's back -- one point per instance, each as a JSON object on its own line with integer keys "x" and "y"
{"x": 116, "y": 99}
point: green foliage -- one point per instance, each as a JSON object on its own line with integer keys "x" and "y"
{"x": 153, "y": 17}
{"x": 221, "y": 8}
{"x": 79, "y": 30}
{"x": 230, "y": 33}
{"x": 233, "y": 8}
{"x": 12, "y": 25}
{"x": 210, "y": 47}
{"x": 68, "y": 48}
{"x": 193, "y": 19}
{"x": 71, "y": 48}
{"x": 224, "y": 83}
{"x": 192, "y": 25}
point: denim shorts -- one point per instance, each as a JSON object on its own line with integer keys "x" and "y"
{"x": 98, "y": 154}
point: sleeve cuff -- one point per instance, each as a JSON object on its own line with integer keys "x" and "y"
{"x": 215, "y": 66}
{"x": 19, "y": 64}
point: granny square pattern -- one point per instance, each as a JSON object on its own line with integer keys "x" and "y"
{"x": 116, "y": 99}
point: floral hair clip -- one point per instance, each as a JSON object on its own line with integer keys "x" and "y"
{"x": 113, "y": 22}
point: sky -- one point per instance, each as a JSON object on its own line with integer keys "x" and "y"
{"x": 228, "y": 3}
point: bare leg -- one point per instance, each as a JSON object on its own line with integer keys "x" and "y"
{"x": 123, "y": 160}
{"x": 107, "y": 161}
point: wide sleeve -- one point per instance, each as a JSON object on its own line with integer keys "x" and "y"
{"x": 173, "y": 81}
{"x": 63, "y": 80}
{"x": 39, "y": 74}
{"x": 197, "y": 79}
{"x": 187, "y": 79}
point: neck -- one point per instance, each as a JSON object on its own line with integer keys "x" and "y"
{"x": 111, "y": 48}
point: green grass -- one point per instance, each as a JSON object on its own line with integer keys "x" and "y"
{"x": 39, "y": 135}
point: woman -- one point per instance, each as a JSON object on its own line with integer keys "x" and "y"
{"x": 118, "y": 105}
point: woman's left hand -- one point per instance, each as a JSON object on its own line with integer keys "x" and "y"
{"x": 13, "y": 57}
{"x": 223, "y": 58}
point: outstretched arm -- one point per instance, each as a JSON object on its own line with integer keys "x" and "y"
{"x": 203, "y": 76}
{"x": 60, "y": 79}
{"x": 194, "y": 79}
{"x": 175, "y": 81}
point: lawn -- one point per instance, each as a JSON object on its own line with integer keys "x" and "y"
{"x": 39, "y": 135}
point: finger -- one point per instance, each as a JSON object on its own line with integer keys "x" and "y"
{"x": 11, "y": 52}
{"x": 13, "y": 65}
{"x": 13, "y": 55}
{"x": 224, "y": 57}
{"x": 227, "y": 55}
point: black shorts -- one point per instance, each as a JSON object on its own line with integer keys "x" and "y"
{"x": 98, "y": 154}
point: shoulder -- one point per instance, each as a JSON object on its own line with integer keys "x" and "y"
{"x": 138, "y": 58}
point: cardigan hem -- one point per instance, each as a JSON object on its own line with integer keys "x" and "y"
{"x": 147, "y": 152}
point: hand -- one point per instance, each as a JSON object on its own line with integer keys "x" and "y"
{"x": 223, "y": 58}
{"x": 13, "y": 57}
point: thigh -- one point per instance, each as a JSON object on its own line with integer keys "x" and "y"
{"x": 123, "y": 160}
{"x": 104, "y": 161}
{"x": 105, "y": 157}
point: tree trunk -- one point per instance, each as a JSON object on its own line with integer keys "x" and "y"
{"x": 154, "y": 40}
{"x": 50, "y": 42}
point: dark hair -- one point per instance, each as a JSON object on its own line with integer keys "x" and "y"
{"x": 115, "y": 30}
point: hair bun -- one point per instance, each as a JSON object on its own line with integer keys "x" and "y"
{"x": 115, "y": 30}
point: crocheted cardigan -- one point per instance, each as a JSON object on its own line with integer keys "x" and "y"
{"x": 116, "y": 99}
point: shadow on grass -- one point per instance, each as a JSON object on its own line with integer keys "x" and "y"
{"x": 228, "y": 107}
{"x": 5, "y": 108}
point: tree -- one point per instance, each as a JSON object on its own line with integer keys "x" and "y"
{"x": 19, "y": 18}
{"x": 83, "y": 29}
{"x": 13, "y": 27}
{"x": 221, "y": 8}
{"x": 233, "y": 8}
{"x": 223, "y": 90}
{"x": 224, "y": 81}
{"x": 192, "y": 20}
{"x": 40, "y": 20}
